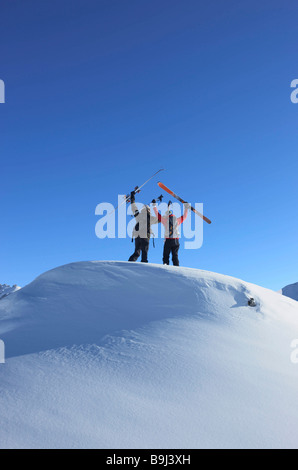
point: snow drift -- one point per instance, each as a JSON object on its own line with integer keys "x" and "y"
{"x": 129, "y": 355}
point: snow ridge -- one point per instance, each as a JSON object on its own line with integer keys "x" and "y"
{"x": 291, "y": 291}
{"x": 6, "y": 290}
{"x": 129, "y": 355}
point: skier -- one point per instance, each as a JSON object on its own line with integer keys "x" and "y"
{"x": 142, "y": 230}
{"x": 171, "y": 224}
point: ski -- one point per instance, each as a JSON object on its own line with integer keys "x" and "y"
{"x": 162, "y": 186}
{"x": 137, "y": 190}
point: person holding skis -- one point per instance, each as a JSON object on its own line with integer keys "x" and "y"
{"x": 171, "y": 224}
{"x": 142, "y": 230}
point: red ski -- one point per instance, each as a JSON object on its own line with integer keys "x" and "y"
{"x": 162, "y": 186}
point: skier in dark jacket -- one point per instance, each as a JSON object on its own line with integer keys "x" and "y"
{"x": 171, "y": 224}
{"x": 142, "y": 230}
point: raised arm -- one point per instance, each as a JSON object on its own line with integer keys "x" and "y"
{"x": 159, "y": 216}
{"x": 133, "y": 206}
{"x": 181, "y": 219}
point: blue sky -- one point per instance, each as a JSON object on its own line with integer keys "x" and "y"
{"x": 100, "y": 94}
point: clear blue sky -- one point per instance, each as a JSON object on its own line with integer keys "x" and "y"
{"x": 100, "y": 94}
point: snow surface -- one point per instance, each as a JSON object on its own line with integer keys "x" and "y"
{"x": 129, "y": 355}
{"x": 5, "y": 290}
{"x": 290, "y": 291}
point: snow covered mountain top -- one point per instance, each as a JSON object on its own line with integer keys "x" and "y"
{"x": 131, "y": 355}
{"x": 5, "y": 290}
{"x": 290, "y": 291}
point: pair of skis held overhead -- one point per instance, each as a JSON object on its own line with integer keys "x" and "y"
{"x": 165, "y": 188}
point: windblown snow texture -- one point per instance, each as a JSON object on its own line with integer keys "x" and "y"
{"x": 128, "y": 355}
